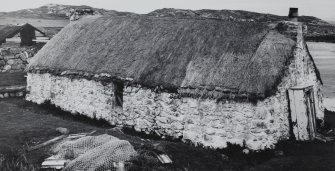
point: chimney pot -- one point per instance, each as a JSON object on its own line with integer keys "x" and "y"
{"x": 293, "y": 14}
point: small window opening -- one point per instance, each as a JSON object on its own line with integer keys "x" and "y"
{"x": 118, "y": 93}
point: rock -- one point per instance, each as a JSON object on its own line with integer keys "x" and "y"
{"x": 2, "y": 63}
{"x": 62, "y": 130}
{"x": 224, "y": 157}
{"x": 7, "y": 67}
{"x": 11, "y": 62}
{"x": 159, "y": 147}
{"x": 19, "y": 94}
{"x": 162, "y": 119}
{"x": 177, "y": 126}
{"x": 1, "y": 96}
{"x": 6, "y": 95}
{"x": 279, "y": 153}
{"x": 208, "y": 138}
{"x": 246, "y": 151}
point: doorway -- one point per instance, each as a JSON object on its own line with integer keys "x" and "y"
{"x": 302, "y": 110}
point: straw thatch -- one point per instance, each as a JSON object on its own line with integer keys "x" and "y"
{"x": 188, "y": 55}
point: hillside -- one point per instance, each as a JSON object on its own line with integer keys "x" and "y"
{"x": 56, "y": 15}
{"x": 318, "y": 30}
{"x": 49, "y": 11}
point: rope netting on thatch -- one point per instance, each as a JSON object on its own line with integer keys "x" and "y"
{"x": 94, "y": 153}
{"x": 175, "y": 53}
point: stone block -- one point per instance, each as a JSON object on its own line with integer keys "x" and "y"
{"x": 10, "y": 62}
{"x": 7, "y": 67}
{"x": 177, "y": 126}
{"x": 208, "y": 138}
{"x": 163, "y": 119}
{"x": 19, "y": 94}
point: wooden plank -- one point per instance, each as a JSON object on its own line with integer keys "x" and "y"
{"x": 301, "y": 112}
{"x": 293, "y": 114}
{"x": 47, "y": 143}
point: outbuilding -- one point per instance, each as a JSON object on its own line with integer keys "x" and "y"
{"x": 22, "y": 35}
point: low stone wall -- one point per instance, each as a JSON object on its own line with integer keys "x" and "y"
{"x": 15, "y": 59}
{"x": 12, "y": 91}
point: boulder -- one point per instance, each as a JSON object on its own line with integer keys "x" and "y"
{"x": 62, "y": 130}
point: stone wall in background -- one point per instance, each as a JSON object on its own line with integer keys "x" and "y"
{"x": 15, "y": 59}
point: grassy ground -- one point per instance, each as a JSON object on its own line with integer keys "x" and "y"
{"x": 25, "y": 124}
{"x": 9, "y": 79}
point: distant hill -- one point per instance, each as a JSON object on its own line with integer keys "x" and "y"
{"x": 318, "y": 30}
{"x": 237, "y": 15}
{"x": 50, "y": 15}
{"x": 49, "y": 11}
{"x": 56, "y": 15}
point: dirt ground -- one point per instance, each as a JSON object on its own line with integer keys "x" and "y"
{"x": 25, "y": 124}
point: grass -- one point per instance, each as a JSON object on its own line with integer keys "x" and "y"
{"x": 16, "y": 78}
{"x": 26, "y": 124}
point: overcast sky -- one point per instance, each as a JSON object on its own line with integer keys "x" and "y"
{"x": 324, "y": 9}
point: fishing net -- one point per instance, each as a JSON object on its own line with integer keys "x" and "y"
{"x": 94, "y": 153}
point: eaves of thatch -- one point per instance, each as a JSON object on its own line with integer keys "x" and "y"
{"x": 197, "y": 57}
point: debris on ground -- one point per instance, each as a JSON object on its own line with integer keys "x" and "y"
{"x": 94, "y": 152}
{"x": 117, "y": 129}
{"x": 120, "y": 166}
{"x": 62, "y": 130}
{"x": 53, "y": 163}
{"x": 322, "y": 138}
{"x": 246, "y": 151}
{"x": 279, "y": 153}
{"x": 224, "y": 157}
{"x": 159, "y": 147}
{"x": 46, "y": 143}
{"x": 80, "y": 135}
{"x": 164, "y": 158}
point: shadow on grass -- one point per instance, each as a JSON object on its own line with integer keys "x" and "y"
{"x": 50, "y": 108}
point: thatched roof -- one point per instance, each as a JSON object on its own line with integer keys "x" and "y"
{"x": 188, "y": 55}
{"x": 9, "y": 31}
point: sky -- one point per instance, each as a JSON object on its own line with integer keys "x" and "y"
{"x": 324, "y": 9}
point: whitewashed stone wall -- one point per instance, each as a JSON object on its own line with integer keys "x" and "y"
{"x": 205, "y": 121}
{"x": 81, "y": 96}
{"x": 201, "y": 121}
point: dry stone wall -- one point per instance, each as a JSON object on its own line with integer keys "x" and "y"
{"x": 15, "y": 59}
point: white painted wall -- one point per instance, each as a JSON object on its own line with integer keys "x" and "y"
{"x": 81, "y": 96}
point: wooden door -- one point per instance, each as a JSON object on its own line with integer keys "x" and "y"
{"x": 302, "y": 110}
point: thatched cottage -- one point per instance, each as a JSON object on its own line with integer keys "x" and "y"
{"x": 206, "y": 81}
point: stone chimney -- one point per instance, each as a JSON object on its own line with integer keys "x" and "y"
{"x": 293, "y": 14}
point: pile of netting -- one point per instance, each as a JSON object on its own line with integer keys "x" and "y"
{"x": 94, "y": 153}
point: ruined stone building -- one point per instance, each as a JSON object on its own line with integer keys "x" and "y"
{"x": 21, "y": 35}
{"x": 205, "y": 81}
